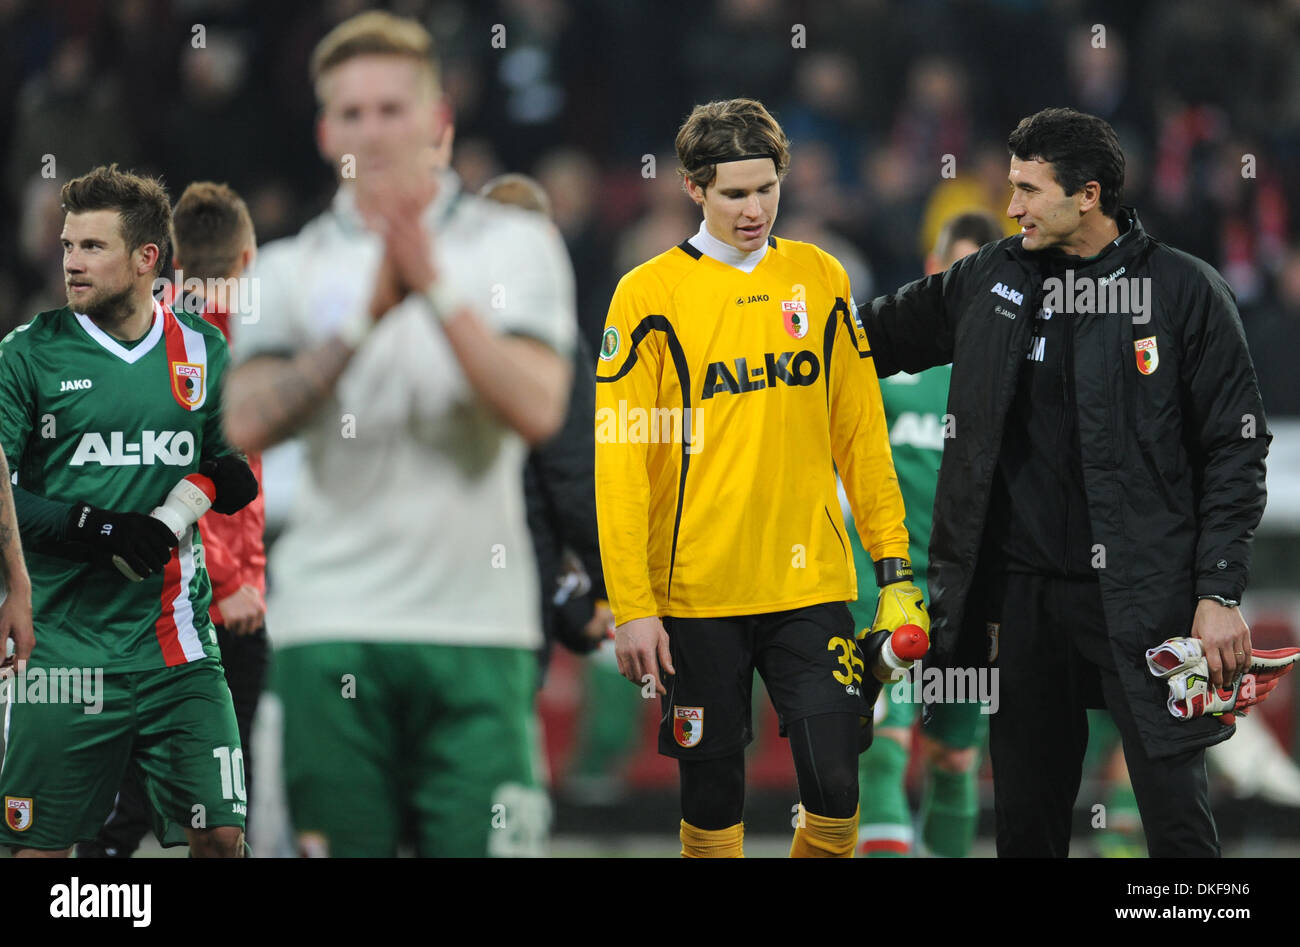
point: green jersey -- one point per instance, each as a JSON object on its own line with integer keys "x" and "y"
{"x": 914, "y": 412}
{"x": 86, "y": 418}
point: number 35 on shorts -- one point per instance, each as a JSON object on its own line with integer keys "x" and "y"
{"x": 849, "y": 659}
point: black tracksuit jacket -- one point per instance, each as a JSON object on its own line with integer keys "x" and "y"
{"x": 1168, "y": 463}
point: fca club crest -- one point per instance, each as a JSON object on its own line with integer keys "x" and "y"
{"x": 795, "y": 313}
{"x": 1148, "y": 356}
{"x": 993, "y": 628}
{"x": 187, "y": 383}
{"x": 688, "y": 725}
{"x": 18, "y": 813}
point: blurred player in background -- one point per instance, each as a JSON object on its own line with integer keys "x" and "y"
{"x": 417, "y": 338}
{"x": 915, "y": 406}
{"x": 104, "y": 406}
{"x": 723, "y": 528}
{"x": 214, "y": 244}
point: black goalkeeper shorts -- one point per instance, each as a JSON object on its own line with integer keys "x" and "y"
{"x": 808, "y": 657}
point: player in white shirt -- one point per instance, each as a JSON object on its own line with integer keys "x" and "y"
{"x": 417, "y": 339}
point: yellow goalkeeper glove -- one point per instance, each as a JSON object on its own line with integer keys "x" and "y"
{"x": 900, "y": 601}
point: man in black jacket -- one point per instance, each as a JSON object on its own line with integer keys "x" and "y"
{"x": 1103, "y": 481}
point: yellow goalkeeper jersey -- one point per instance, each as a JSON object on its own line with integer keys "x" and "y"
{"x": 725, "y": 402}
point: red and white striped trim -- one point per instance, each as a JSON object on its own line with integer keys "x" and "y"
{"x": 885, "y": 837}
{"x": 177, "y": 636}
{"x": 185, "y": 345}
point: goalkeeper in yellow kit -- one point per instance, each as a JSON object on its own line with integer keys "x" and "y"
{"x": 734, "y": 380}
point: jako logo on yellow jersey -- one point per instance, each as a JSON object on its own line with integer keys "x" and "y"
{"x": 173, "y": 448}
{"x": 795, "y": 369}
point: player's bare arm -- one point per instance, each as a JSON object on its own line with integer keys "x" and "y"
{"x": 16, "y": 612}
{"x": 525, "y": 382}
{"x": 270, "y": 397}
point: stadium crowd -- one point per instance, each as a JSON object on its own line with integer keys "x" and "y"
{"x": 897, "y": 119}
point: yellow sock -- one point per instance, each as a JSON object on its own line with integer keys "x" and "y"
{"x": 713, "y": 843}
{"x": 819, "y": 836}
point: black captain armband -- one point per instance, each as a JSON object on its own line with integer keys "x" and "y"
{"x": 234, "y": 480}
{"x": 891, "y": 570}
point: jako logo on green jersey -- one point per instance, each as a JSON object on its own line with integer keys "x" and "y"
{"x": 794, "y": 369}
{"x": 173, "y": 448}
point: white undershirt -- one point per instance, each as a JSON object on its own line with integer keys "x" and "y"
{"x": 723, "y": 252}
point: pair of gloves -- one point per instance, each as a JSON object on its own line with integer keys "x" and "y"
{"x": 139, "y": 544}
{"x": 1181, "y": 663}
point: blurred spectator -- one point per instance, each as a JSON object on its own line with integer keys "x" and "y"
{"x": 813, "y": 187}
{"x": 223, "y": 132}
{"x": 71, "y": 113}
{"x": 933, "y": 120}
{"x": 566, "y": 89}
{"x": 572, "y": 180}
{"x": 1273, "y": 330}
{"x": 894, "y": 207}
{"x": 1098, "y": 77}
{"x": 979, "y": 184}
{"x": 826, "y": 108}
{"x": 736, "y": 47}
{"x": 1221, "y": 53}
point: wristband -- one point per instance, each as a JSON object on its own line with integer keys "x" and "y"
{"x": 1225, "y": 602}
{"x": 891, "y": 570}
{"x": 442, "y": 301}
{"x": 355, "y": 328}
{"x": 185, "y": 504}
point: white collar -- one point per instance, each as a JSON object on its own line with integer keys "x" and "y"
{"x": 344, "y": 204}
{"x": 710, "y": 245}
{"x": 131, "y": 355}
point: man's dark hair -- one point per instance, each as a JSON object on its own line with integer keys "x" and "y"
{"x": 145, "y": 212}
{"x": 979, "y": 227}
{"x": 1080, "y": 148}
{"x": 212, "y": 228}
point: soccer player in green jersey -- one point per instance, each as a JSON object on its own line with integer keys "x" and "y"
{"x": 914, "y": 410}
{"x": 105, "y": 405}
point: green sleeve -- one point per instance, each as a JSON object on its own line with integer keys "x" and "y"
{"x": 40, "y": 521}
{"x": 17, "y": 400}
